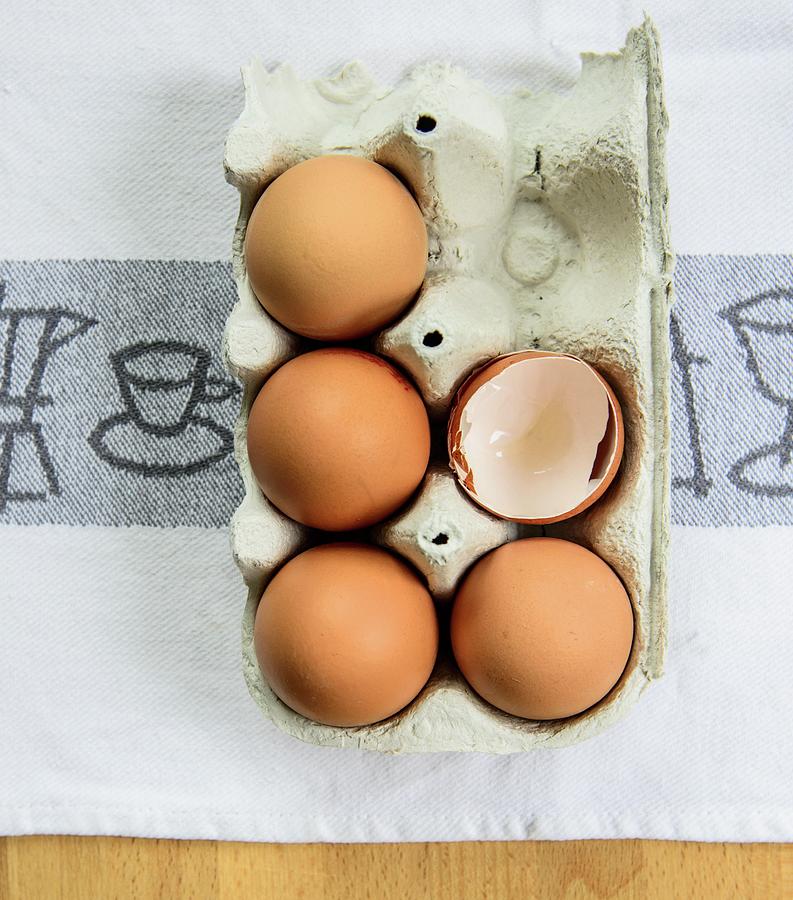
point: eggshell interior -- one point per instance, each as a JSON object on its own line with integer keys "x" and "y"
{"x": 535, "y": 437}
{"x": 547, "y": 228}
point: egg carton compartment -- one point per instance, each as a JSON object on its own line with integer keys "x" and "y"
{"x": 547, "y": 229}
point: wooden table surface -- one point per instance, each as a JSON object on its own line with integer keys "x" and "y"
{"x": 73, "y": 868}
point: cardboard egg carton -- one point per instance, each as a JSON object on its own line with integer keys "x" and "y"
{"x": 547, "y": 228}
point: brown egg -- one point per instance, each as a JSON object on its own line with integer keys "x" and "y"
{"x": 336, "y": 248}
{"x": 535, "y": 436}
{"x": 338, "y": 439}
{"x": 542, "y": 628}
{"x": 346, "y": 634}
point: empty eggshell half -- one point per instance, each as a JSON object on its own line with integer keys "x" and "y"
{"x": 535, "y": 436}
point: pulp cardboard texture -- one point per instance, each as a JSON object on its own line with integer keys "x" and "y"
{"x": 547, "y": 228}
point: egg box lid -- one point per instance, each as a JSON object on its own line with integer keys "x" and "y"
{"x": 547, "y": 223}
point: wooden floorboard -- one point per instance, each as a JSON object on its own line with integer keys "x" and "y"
{"x": 79, "y": 868}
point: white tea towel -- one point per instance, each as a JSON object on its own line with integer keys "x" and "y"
{"x": 124, "y": 709}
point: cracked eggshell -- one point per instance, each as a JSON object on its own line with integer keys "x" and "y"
{"x": 550, "y": 481}
{"x": 547, "y": 227}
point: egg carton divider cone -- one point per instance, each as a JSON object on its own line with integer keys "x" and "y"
{"x": 547, "y": 222}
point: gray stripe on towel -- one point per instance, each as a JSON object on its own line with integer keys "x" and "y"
{"x": 114, "y": 409}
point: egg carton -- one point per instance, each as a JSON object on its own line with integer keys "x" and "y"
{"x": 547, "y": 228}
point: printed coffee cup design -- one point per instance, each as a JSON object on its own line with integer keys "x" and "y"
{"x": 764, "y": 327}
{"x": 161, "y": 384}
{"x": 160, "y": 433}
